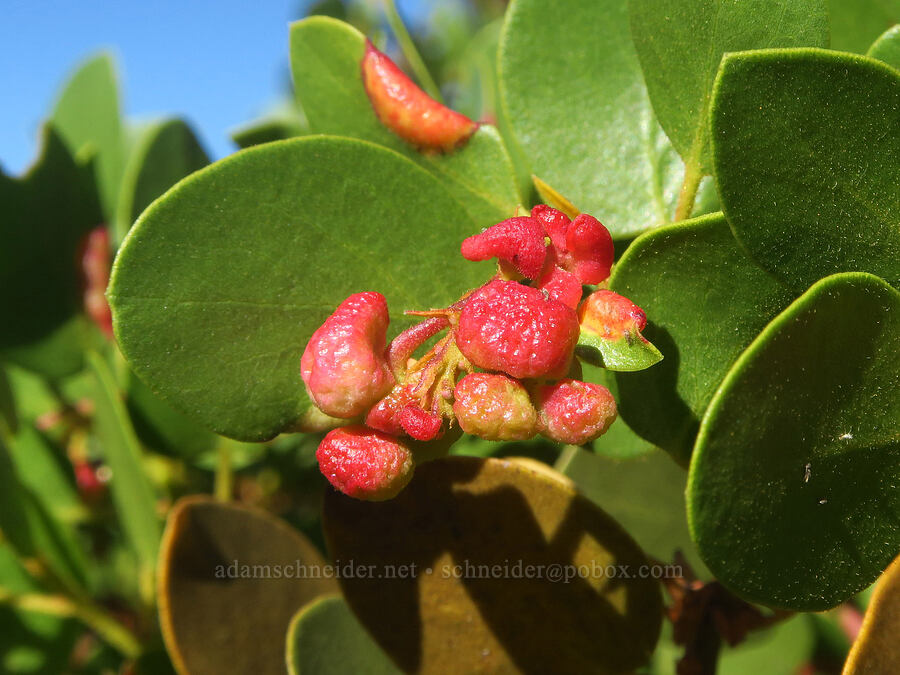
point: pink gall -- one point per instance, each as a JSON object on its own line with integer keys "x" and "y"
{"x": 344, "y": 365}
{"x": 611, "y": 316}
{"x": 574, "y": 412}
{"x": 507, "y": 327}
{"x": 364, "y": 463}
{"x": 494, "y": 407}
{"x": 518, "y": 241}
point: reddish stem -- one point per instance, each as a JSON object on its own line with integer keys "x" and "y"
{"x": 403, "y": 346}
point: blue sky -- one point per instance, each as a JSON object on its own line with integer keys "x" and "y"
{"x": 218, "y": 64}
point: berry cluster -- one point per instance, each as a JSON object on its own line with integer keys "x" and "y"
{"x": 504, "y": 370}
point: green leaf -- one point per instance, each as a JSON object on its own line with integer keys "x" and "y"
{"x": 876, "y": 651}
{"x": 619, "y": 441}
{"x": 326, "y": 57}
{"x": 806, "y": 162}
{"x": 705, "y": 302}
{"x": 39, "y": 273}
{"x": 231, "y": 579}
{"x": 223, "y": 280}
{"x": 680, "y": 43}
{"x": 856, "y": 23}
{"x": 165, "y": 152}
{"x": 33, "y": 532}
{"x": 887, "y": 47}
{"x": 9, "y": 416}
{"x": 434, "y": 599}
{"x": 285, "y": 120}
{"x": 644, "y": 494}
{"x": 627, "y": 354}
{"x": 47, "y": 473}
{"x": 87, "y": 116}
{"x": 792, "y": 495}
{"x": 326, "y": 639}
{"x": 131, "y": 490}
{"x": 31, "y": 643}
{"x": 572, "y": 90}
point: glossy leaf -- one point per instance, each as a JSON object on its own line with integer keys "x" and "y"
{"x": 223, "y": 280}
{"x": 39, "y": 274}
{"x": 792, "y": 496}
{"x": 464, "y": 511}
{"x": 705, "y": 302}
{"x": 572, "y": 90}
{"x": 645, "y": 494}
{"x": 231, "y": 579}
{"x": 627, "y": 354}
{"x": 806, "y": 161}
{"x": 165, "y": 152}
{"x": 131, "y": 490}
{"x": 887, "y": 47}
{"x": 326, "y": 56}
{"x": 680, "y": 43}
{"x": 87, "y": 116}
{"x": 326, "y": 639}
{"x": 876, "y": 650}
{"x": 856, "y": 23}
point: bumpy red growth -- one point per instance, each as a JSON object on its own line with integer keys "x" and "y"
{"x": 512, "y": 328}
{"x": 494, "y": 407}
{"x": 345, "y": 366}
{"x": 95, "y": 275}
{"x": 611, "y": 316}
{"x": 574, "y": 412}
{"x": 582, "y": 246}
{"x": 407, "y": 110}
{"x": 364, "y": 463}
{"x": 518, "y": 241}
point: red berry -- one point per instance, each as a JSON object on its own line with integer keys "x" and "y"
{"x": 420, "y": 424}
{"x": 512, "y": 328}
{"x": 494, "y": 407}
{"x": 574, "y": 412}
{"x": 345, "y": 366}
{"x": 407, "y": 110}
{"x": 518, "y": 241}
{"x": 611, "y": 316}
{"x": 364, "y": 463}
{"x": 582, "y": 246}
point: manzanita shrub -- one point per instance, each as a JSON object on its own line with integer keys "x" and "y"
{"x": 592, "y": 368}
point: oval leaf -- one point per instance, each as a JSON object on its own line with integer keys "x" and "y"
{"x": 887, "y": 47}
{"x": 165, "y": 152}
{"x": 805, "y": 156}
{"x": 326, "y": 639}
{"x": 231, "y": 578}
{"x": 459, "y": 515}
{"x": 326, "y": 60}
{"x": 705, "y": 301}
{"x": 223, "y": 280}
{"x": 624, "y": 354}
{"x": 680, "y": 43}
{"x": 792, "y": 495}
{"x": 876, "y": 650}
{"x": 87, "y": 116}
{"x": 572, "y": 90}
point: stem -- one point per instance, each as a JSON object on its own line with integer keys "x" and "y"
{"x": 224, "y": 483}
{"x": 94, "y": 617}
{"x": 688, "y": 195}
{"x": 565, "y": 457}
{"x": 408, "y": 47}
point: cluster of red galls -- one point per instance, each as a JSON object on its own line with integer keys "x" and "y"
{"x": 504, "y": 370}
